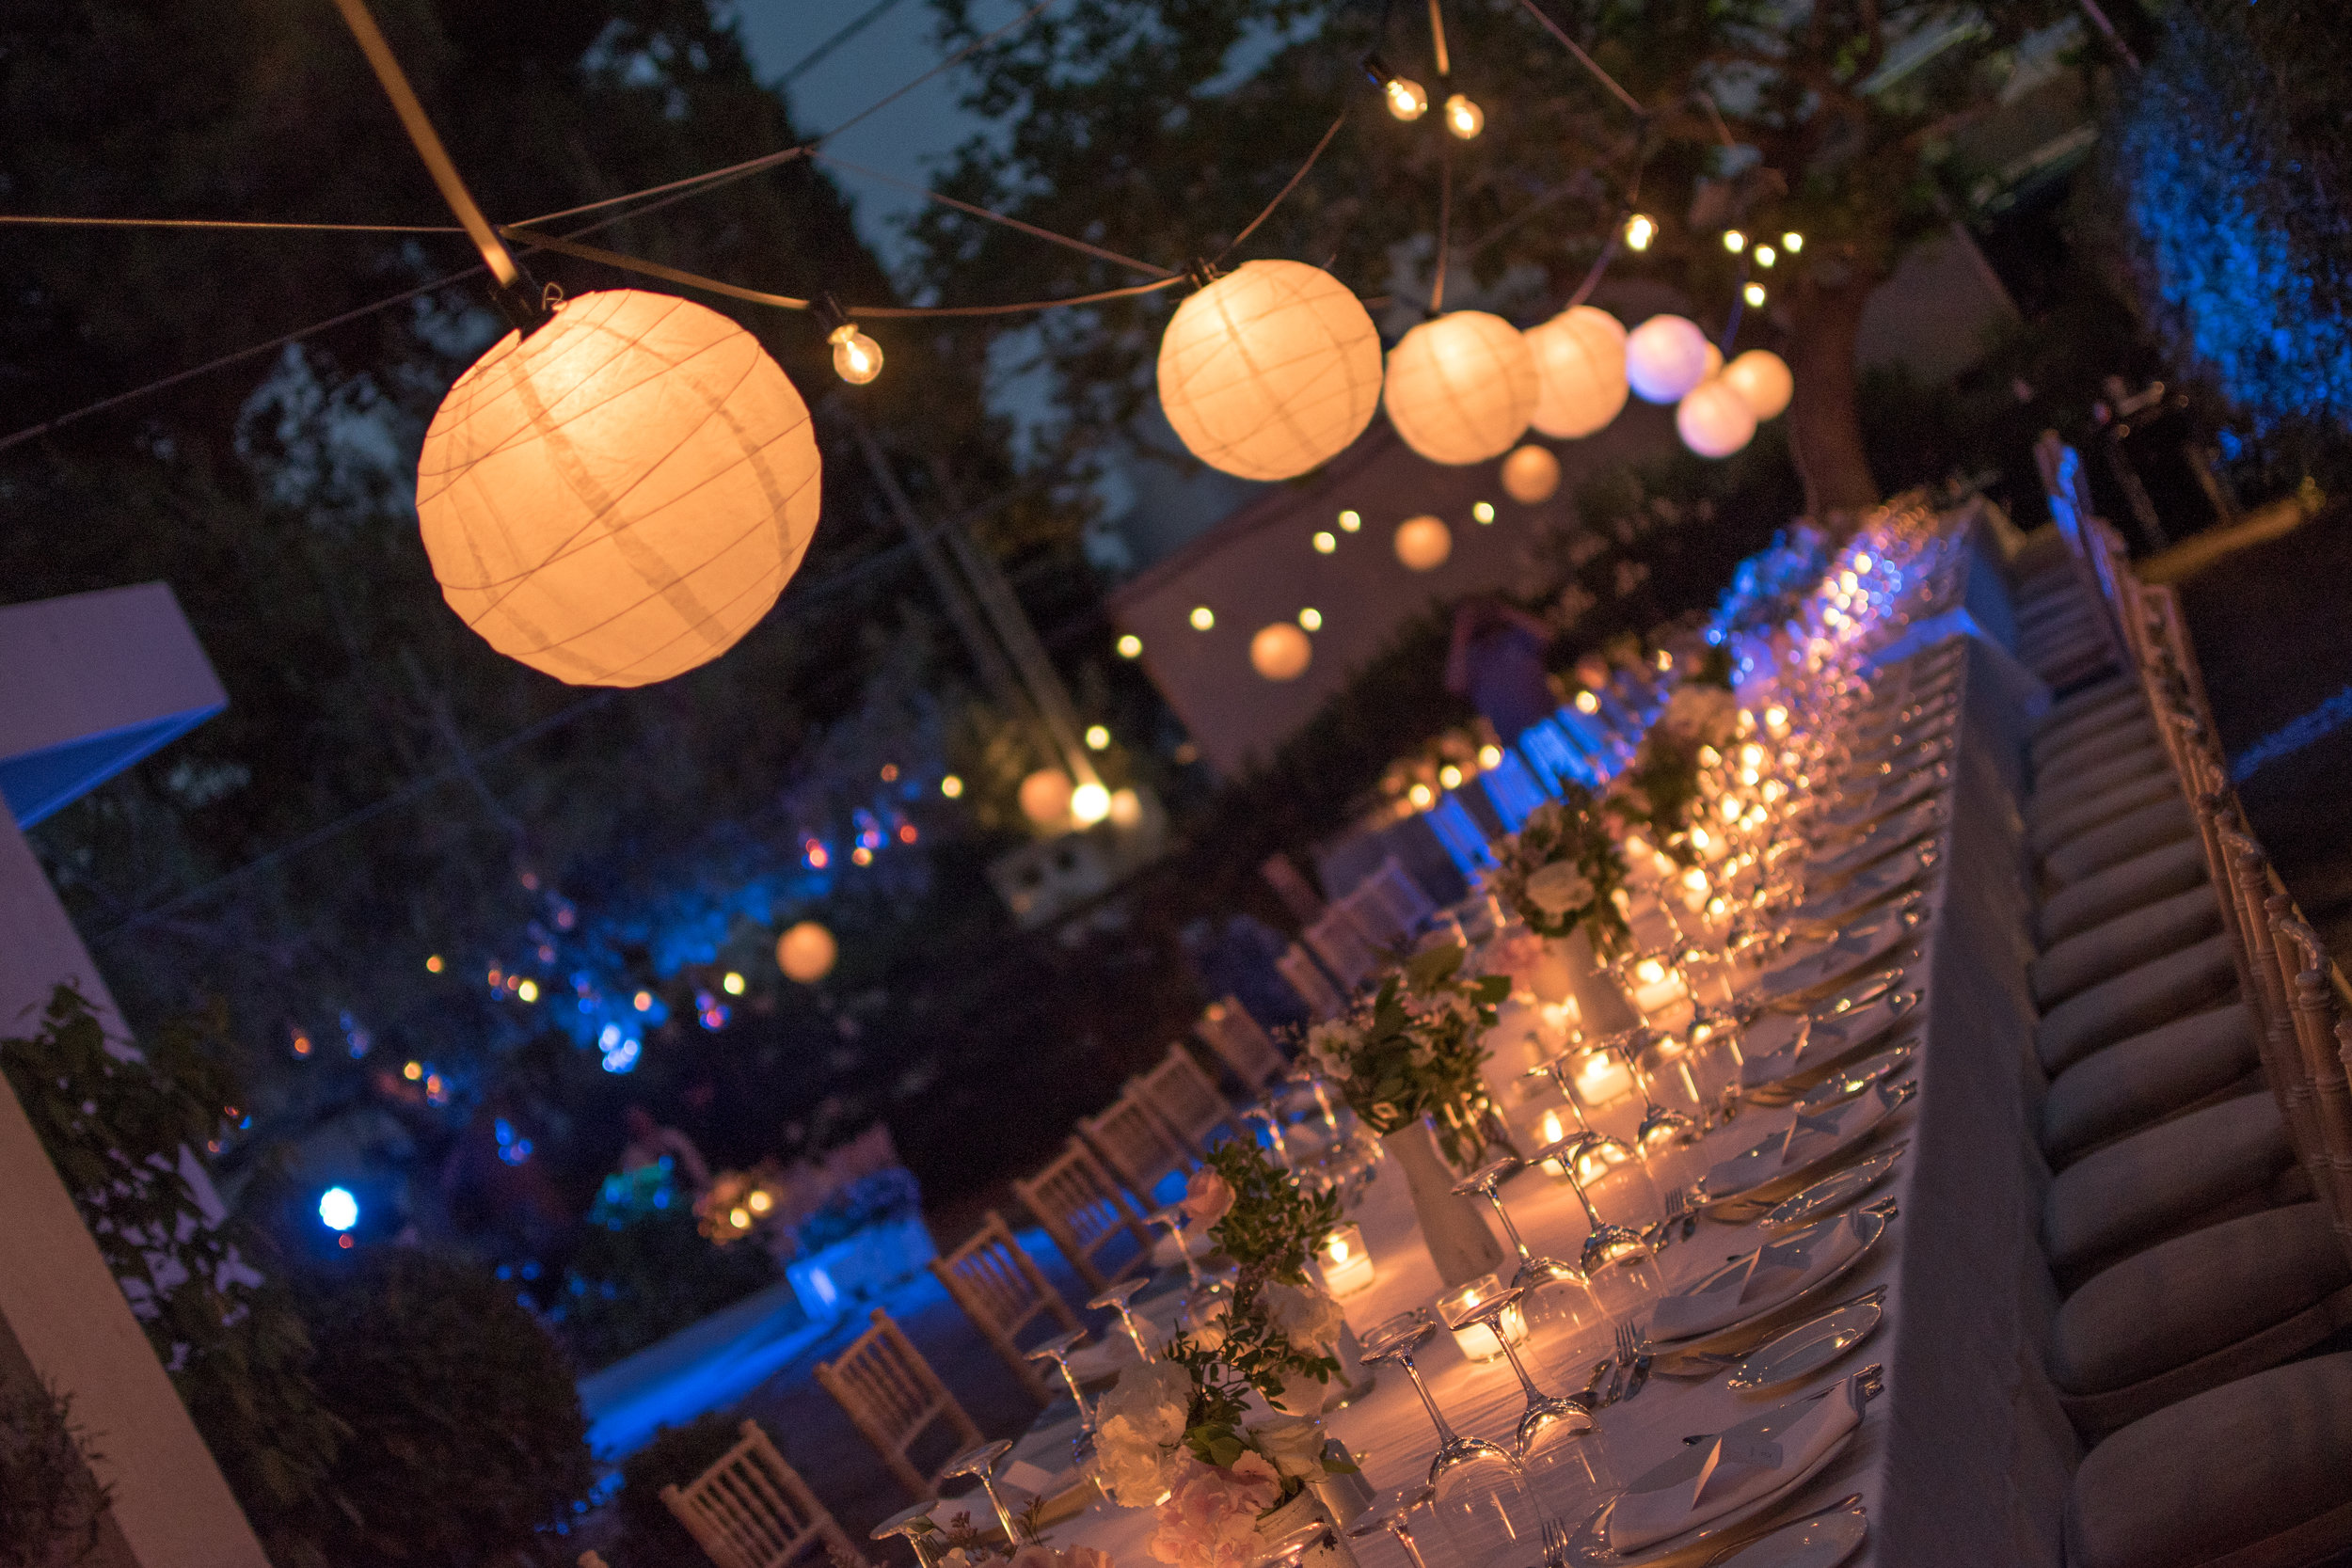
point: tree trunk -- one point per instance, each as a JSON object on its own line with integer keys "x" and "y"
{"x": 1824, "y": 426}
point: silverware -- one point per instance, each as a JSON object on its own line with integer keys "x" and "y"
{"x": 1851, "y": 1501}
{"x": 1626, "y": 1350}
{"x": 1642, "y": 1362}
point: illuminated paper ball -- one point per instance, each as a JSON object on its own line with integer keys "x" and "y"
{"x": 1713, "y": 419}
{"x": 1045, "y": 795}
{"x": 1423, "y": 542}
{"x": 1460, "y": 388}
{"x": 619, "y": 496}
{"x": 1280, "y": 651}
{"x": 1664, "y": 357}
{"x": 1531, "y": 474}
{"x": 806, "y": 953}
{"x": 1579, "y": 361}
{"x": 1270, "y": 371}
{"x": 1763, "y": 382}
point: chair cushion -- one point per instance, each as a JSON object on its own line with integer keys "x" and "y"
{"x": 2098, "y": 899}
{"x": 2087, "y": 745}
{"x": 2067, "y": 791}
{"x": 2130, "y": 940}
{"x": 2257, "y": 1471}
{"x": 2135, "y": 1001}
{"x": 2159, "y": 1180}
{"x": 2146, "y": 1077}
{"x": 2114, "y": 707}
{"x": 2057, "y": 827}
{"x": 2134, "y": 832}
{"x": 2197, "y": 1296}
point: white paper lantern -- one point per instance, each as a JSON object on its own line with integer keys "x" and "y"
{"x": 1531, "y": 474}
{"x": 1280, "y": 651}
{"x": 1580, "y": 361}
{"x": 1713, "y": 419}
{"x": 1045, "y": 795}
{"x": 1460, "y": 388}
{"x": 1270, "y": 371}
{"x": 620, "y": 495}
{"x": 1423, "y": 542}
{"x": 806, "y": 953}
{"x": 1763, "y": 381}
{"x": 1664, "y": 357}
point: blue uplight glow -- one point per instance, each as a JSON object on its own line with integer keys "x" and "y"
{"x": 338, "y": 1209}
{"x": 623, "y": 1056}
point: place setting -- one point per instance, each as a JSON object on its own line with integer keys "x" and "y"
{"x": 1825, "y": 962}
{"x": 1780, "y": 1162}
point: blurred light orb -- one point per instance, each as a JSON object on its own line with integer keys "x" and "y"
{"x": 856, "y": 357}
{"x": 1280, "y": 651}
{"x": 1090, "y": 804}
{"x": 1713, "y": 419}
{"x": 806, "y": 953}
{"x": 1664, "y": 357}
{"x": 1423, "y": 542}
{"x": 1639, "y": 230}
{"x": 1270, "y": 371}
{"x": 338, "y": 1209}
{"x": 1763, "y": 381}
{"x": 1407, "y": 99}
{"x": 1460, "y": 388}
{"x": 1531, "y": 475}
{"x": 1464, "y": 118}
{"x": 619, "y": 496}
{"x": 1045, "y": 795}
{"x": 1579, "y": 364}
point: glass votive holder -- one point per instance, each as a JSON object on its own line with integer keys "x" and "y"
{"x": 1477, "y": 1341}
{"x": 1345, "y": 1264}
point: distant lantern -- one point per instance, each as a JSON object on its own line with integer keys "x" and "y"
{"x": 1762, "y": 380}
{"x": 1460, "y": 388}
{"x": 1580, "y": 361}
{"x": 806, "y": 953}
{"x": 1423, "y": 542}
{"x": 619, "y": 496}
{"x": 1713, "y": 419}
{"x": 1664, "y": 357}
{"x": 1045, "y": 795}
{"x": 1270, "y": 371}
{"x": 1531, "y": 474}
{"x": 1280, "y": 651}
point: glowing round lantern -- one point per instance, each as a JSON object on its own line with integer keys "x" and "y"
{"x": 1762, "y": 380}
{"x": 1281, "y": 651}
{"x": 806, "y": 953}
{"x": 1270, "y": 371}
{"x": 1423, "y": 542}
{"x": 1579, "y": 361}
{"x": 1045, "y": 795}
{"x": 620, "y": 495}
{"x": 1531, "y": 474}
{"x": 1460, "y": 388}
{"x": 1713, "y": 419}
{"x": 1664, "y": 357}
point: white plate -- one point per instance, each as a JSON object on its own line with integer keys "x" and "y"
{"x": 1892, "y": 795}
{"x": 1891, "y": 876}
{"x": 1897, "y": 833}
{"x": 1806, "y": 1348}
{"x": 1832, "y": 1191}
{"x": 1823, "y": 1540}
{"x": 1759, "y": 1166}
{"x": 1829, "y": 962}
{"x": 1846, "y": 1082}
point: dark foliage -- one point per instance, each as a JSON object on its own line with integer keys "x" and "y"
{"x": 50, "y": 1505}
{"x": 650, "y": 1533}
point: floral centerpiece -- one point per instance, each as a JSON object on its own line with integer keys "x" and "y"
{"x": 1658, "y": 788}
{"x": 1562, "y": 869}
{"x": 1414, "y": 1048}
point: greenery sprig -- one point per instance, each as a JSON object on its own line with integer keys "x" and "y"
{"x": 1415, "y": 1050}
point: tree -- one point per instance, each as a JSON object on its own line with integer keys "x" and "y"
{"x": 1158, "y": 127}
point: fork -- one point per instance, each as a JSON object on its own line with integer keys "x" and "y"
{"x": 1626, "y": 1346}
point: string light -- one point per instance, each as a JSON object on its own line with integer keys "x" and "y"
{"x": 1766, "y": 256}
{"x": 1326, "y": 541}
{"x": 1792, "y": 242}
{"x": 1639, "y": 230}
{"x": 1130, "y": 645}
{"x": 1098, "y": 738}
{"x": 642, "y": 1001}
{"x": 1483, "y": 510}
{"x": 1090, "y": 804}
{"x": 528, "y": 991}
{"x": 732, "y": 983}
{"x": 1311, "y": 618}
{"x": 952, "y": 787}
{"x": 413, "y": 1071}
{"x": 1350, "y": 521}
{"x": 1202, "y": 617}
{"x": 1407, "y": 99}
{"x": 432, "y": 966}
{"x": 1754, "y": 294}
{"x": 856, "y": 357}
{"x": 1464, "y": 118}
{"x": 1490, "y": 756}
{"x": 1734, "y": 241}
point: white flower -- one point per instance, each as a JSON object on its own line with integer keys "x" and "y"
{"x": 1559, "y": 888}
{"x": 1307, "y": 1315}
{"x": 1138, "y": 1426}
{"x": 1295, "y": 1444}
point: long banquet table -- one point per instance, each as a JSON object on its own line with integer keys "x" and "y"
{"x": 1964, "y": 1459}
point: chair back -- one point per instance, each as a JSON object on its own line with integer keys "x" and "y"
{"x": 1183, "y": 1095}
{"x": 1003, "y": 1292}
{"x": 1135, "y": 1144}
{"x": 1082, "y": 1208}
{"x": 1407, "y": 903}
{"x": 1342, "y": 948}
{"x": 1301, "y": 972}
{"x": 893, "y": 1396}
{"x": 751, "y": 1510}
{"x": 1241, "y": 1042}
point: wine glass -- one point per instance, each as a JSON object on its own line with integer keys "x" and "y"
{"x": 1394, "y": 1512}
{"x": 915, "y": 1523}
{"x": 1617, "y": 1262}
{"x": 1479, "y": 1495}
{"x": 1558, "y": 1069}
{"x": 982, "y": 1461}
{"x": 1659, "y": 1127}
{"x": 1559, "y": 1306}
{"x": 1056, "y": 1350}
{"x": 1117, "y": 1298}
{"x": 1175, "y": 1219}
{"x": 1558, "y": 1444}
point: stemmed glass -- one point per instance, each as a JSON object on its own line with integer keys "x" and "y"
{"x": 1559, "y": 1303}
{"x": 1117, "y": 1299}
{"x": 1056, "y": 1350}
{"x": 1393, "y": 1513}
{"x": 1660, "y": 1126}
{"x": 1175, "y": 1219}
{"x": 1558, "y": 1443}
{"x": 982, "y": 1461}
{"x": 915, "y": 1523}
{"x": 1480, "y": 1496}
{"x": 1616, "y": 1260}
{"x": 1557, "y": 1070}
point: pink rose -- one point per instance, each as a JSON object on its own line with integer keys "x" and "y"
{"x": 1207, "y": 1197}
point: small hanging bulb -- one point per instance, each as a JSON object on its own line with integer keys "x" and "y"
{"x": 1464, "y": 118}
{"x": 1407, "y": 99}
{"x": 1753, "y": 293}
{"x": 1792, "y": 242}
{"x": 1766, "y": 256}
{"x": 856, "y": 357}
{"x": 1734, "y": 241}
{"x": 1639, "y": 230}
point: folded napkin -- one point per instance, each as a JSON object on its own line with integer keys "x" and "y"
{"x": 1106, "y": 1358}
{"x": 1757, "y": 1282}
{"x": 1811, "y": 1137}
{"x": 1741, "y": 1467}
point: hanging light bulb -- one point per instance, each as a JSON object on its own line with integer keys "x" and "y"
{"x": 1766, "y": 256}
{"x": 856, "y": 357}
{"x": 1464, "y": 118}
{"x": 1734, "y": 241}
{"x": 1754, "y": 294}
{"x": 1407, "y": 99}
{"x": 1639, "y": 230}
{"x": 1792, "y": 242}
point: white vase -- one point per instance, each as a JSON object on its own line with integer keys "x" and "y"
{"x": 1600, "y": 1005}
{"x": 1452, "y": 1228}
{"x": 1332, "y": 1551}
